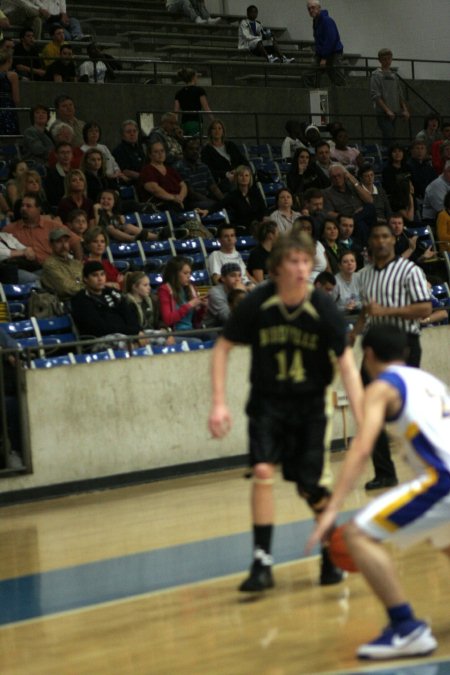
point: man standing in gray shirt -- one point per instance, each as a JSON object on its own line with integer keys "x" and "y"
{"x": 387, "y": 95}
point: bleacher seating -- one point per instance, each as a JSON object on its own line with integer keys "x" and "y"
{"x": 269, "y": 191}
{"x": 130, "y": 253}
{"x": 122, "y": 28}
{"x": 37, "y": 333}
{"x": 17, "y": 296}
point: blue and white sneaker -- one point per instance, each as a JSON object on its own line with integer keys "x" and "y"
{"x": 412, "y": 638}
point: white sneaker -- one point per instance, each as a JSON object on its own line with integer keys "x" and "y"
{"x": 286, "y": 59}
{"x": 272, "y": 59}
{"x": 419, "y": 641}
{"x": 216, "y": 20}
{"x": 200, "y": 20}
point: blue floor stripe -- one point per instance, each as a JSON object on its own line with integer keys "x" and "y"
{"x": 71, "y": 588}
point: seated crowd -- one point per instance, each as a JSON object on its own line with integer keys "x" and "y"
{"x": 69, "y": 196}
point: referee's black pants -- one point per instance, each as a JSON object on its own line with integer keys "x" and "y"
{"x": 381, "y": 456}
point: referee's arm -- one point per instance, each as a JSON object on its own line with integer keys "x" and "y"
{"x": 416, "y": 310}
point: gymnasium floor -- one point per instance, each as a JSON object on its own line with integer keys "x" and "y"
{"x": 143, "y": 581}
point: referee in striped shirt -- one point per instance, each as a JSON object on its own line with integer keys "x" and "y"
{"x": 394, "y": 291}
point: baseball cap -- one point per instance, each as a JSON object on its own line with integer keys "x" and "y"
{"x": 229, "y": 268}
{"x": 58, "y": 233}
{"x": 92, "y": 266}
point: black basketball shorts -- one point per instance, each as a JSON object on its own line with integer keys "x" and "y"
{"x": 293, "y": 434}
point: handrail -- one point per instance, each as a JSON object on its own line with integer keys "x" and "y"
{"x": 416, "y": 93}
{"x": 359, "y": 134}
{"x": 366, "y": 68}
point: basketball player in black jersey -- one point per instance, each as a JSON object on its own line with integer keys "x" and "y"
{"x": 297, "y": 336}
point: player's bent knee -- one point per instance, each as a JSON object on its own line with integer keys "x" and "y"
{"x": 316, "y": 496}
{"x": 263, "y": 474}
{"x": 352, "y": 533}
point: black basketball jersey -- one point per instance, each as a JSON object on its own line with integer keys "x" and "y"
{"x": 294, "y": 349}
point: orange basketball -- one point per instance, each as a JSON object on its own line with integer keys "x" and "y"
{"x": 339, "y": 552}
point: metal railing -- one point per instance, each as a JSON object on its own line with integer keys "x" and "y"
{"x": 265, "y": 127}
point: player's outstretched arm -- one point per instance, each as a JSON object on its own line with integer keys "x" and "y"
{"x": 219, "y": 422}
{"x": 351, "y": 379}
{"x": 376, "y": 399}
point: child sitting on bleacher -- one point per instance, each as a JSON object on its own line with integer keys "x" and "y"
{"x": 107, "y": 216}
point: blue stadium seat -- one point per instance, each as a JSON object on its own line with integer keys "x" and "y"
{"x": 442, "y": 293}
{"x": 276, "y": 152}
{"x": 178, "y": 219}
{"x": 155, "y": 279}
{"x": 268, "y": 168}
{"x": 127, "y": 192}
{"x": 215, "y": 219}
{"x": 177, "y": 348}
{"x": 155, "y": 219}
{"x": 209, "y": 344}
{"x": 107, "y": 355}
{"x": 245, "y": 243}
{"x": 260, "y": 150}
{"x": 200, "y": 277}
{"x": 53, "y": 361}
{"x": 192, "y": 249}
{"x": 121, "y": 354}
{"x": 142, "y": 351}
{"x": 197, "y": 260}
{"x": 132, "y": 219}
{"x": 137, "y": 351}
{"x": 23, "y": 332}
{"x": 156, "y": 254}
{"x": 17, "y": 296}
{"x": 55, "y": 330}
{"x": 128, "y": 252}
{"x": 211, "y": 245}
{"x": 424, "y": 236}
{"x": 284, "y": 167}
{"x": 269, "y": 191}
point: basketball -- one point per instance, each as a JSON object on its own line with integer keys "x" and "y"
{"x": 339, "y": 552}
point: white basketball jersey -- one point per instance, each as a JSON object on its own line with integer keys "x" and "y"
{"x": 424, "y": 419}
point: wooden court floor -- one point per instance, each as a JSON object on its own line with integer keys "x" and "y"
{"x": 142, "y": 581}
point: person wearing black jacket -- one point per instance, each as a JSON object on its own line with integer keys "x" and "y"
{"x": 245, "y": 203}
{"x": 100, "y": 311}
{"x": 221, "y": 156}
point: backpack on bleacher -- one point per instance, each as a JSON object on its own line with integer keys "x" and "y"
{"x": 196, "y": 228}
{"x": 43, "y": 305}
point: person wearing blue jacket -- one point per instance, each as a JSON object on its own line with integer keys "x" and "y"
{"x": 328, "y": 46}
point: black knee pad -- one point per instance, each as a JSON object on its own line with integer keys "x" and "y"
{"x": 316, "y": 496}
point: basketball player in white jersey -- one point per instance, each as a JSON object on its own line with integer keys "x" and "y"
{"x": 418, "y": 405}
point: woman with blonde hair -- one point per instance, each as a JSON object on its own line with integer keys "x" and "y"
{"x": 245, "y": 203}
{"x": 30, "y": 181}
{"x": 75, "y": 196}
{"x": 221, "y": 156}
